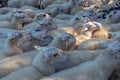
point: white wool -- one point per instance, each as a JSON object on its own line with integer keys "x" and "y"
{"x": 41, "y": 66}
{"x": 16, "y": 62}
{"x": 98, "y": 69}
{"x": 94, "y": 44}
{"x": 63, "y": 41}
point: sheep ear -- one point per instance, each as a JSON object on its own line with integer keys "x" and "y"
{"x": 38, "y": 48}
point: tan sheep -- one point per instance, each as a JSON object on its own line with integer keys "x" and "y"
{"x": 98, "y": 30}
{"x": 99, "y": 69}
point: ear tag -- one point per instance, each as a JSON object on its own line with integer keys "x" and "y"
{"x": 38, "y": 48}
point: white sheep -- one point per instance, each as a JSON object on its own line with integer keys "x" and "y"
{"x": 66, "y": 7}
{"x": 94, "y": 44}
{"x": 112, "y": 27}
{"x": 20, "y": 3}
{"x": 13, "y": 24}
{"x": 39, "y": 17}
{"x": 42, "y": 65}
{"x": 99, "y": 69}
{"x": 6, "y": 17}
{"x": 63, "y": 41}
{"x": 113, "y": 17}
{"x": 12, "y": 45}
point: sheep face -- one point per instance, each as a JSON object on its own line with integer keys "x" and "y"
{"x": 66, "y": 40}
{"x": 113, "y": 17}
{"x": 46, "y": 56}
{"x": 91, "y": 26}
{"x": 83, "y": 3}
{"x": 40, "y": 34}
{"x": 21, "y": 16}
{"x": 18, "y": 38}
{"x": 48, "y": 25}
{"x": 52, "y": 54}
{"x": 42, "y": 15}
{"x": 115, "y": 49}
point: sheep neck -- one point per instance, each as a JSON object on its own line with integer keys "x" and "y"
{"x": 44, "y": 67}
{"x": 55, "y": 42}
{"x": 15, "y": 20}
{"x": 106, "y": 62}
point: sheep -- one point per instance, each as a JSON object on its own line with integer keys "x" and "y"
{"x": 63, "y": 41}
{"x": 38, "y": 37}
{"x": 12, "y": 45}
{"x": 5, "y": 10}
{"x": 38, "y": 17}
{"x": 6, "y": 17}
{"x": 94, "y": 44}
{"x": 14, "y": 63}
{"x": 112, "y": 27}
{"x": 63, "y": 16}
{"x": 44, "y": 3}
{"x": 18, "y": 4}
{"x": 55, "y": 11}
{"x": 91, "y": 30}
{"x": 66, "y": 7}
{"x": 113, "y": 17}
{"x": 99, "y": 69}
{"x": 76, "y": 9}
{"x": 99, "y": 32}
{"x": 18, "y": 18}
{"x": 42, "y": 65}
{"x": 75, "y": 58}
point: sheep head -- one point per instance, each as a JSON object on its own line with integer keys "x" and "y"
{"x": 92, "y": 26}
{"x": 41, "y": 35}
{"x": 42, "y": 15}
{"x": 66, "y": 40}
{"x": 46, "y": 56}
{"x": 113, "y": 17}
{"x": 47, "y": 24}
{"x": 115, "y": 49}
{"x": 83, "y": 3}
{"x": 21, "y": 16}
{"x": 18, "y": 38}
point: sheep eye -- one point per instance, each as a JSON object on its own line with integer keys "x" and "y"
{"x": 45, "y": 25}
{"x": 49, "y": 23}
{"x": 83, "y": 16}
{"x": 55, "y": 54}
{"x": 37, "y": 30}
{"x": 44, "y": 15}
{"x": 114, "y": 12}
